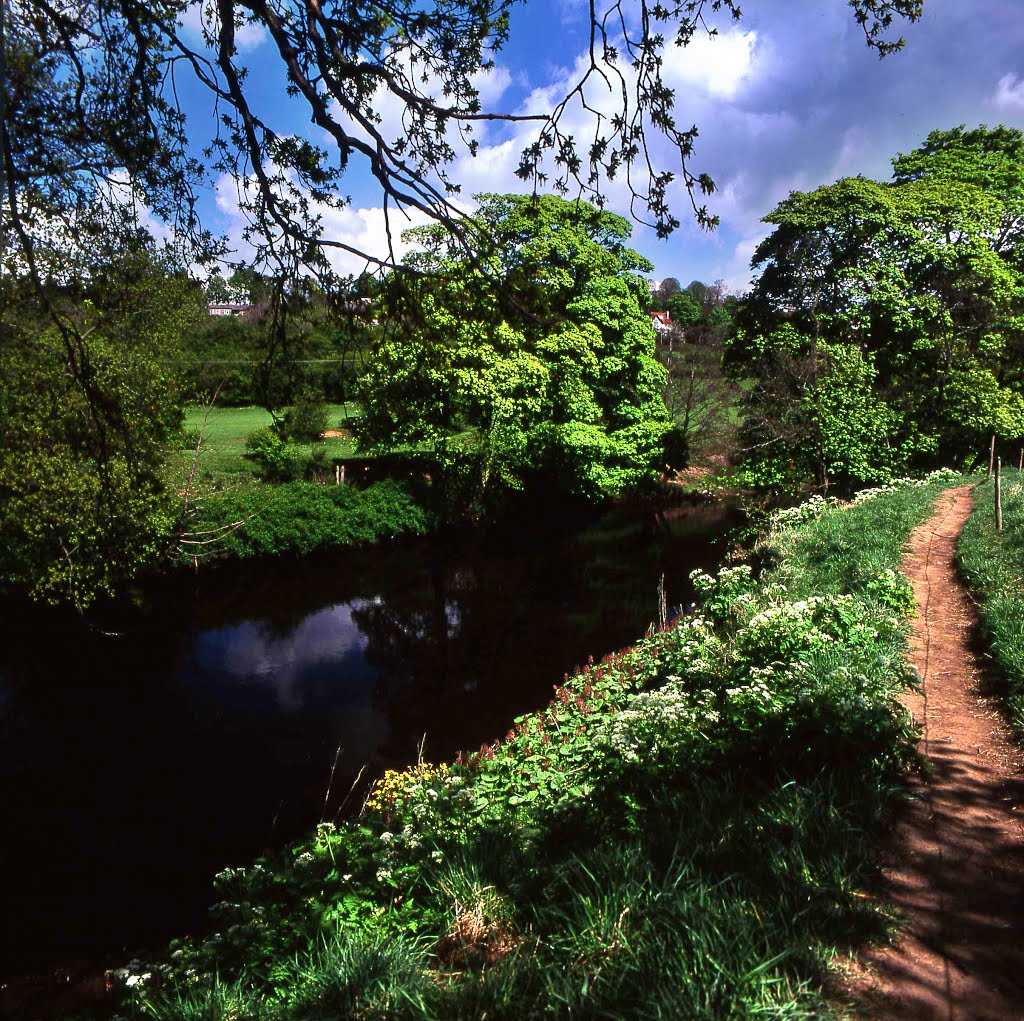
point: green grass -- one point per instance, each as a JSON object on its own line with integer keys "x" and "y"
{"x": 224, "y": 430}
{"x": 844, "y": 549}
{"x": 993, "y": 566}
{"x": 684, "y": 832}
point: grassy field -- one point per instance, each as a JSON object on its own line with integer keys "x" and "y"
{"x": 222, "y": 456}
{"x": 993, "y": 565}
{"x": 683, "y": 832}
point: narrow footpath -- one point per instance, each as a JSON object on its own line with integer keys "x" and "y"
{"x": 956, "y": 857}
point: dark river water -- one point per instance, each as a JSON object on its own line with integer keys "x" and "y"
{"x": 135, "y": 765}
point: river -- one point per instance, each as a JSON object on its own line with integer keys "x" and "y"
{"x": 145, "y": 749}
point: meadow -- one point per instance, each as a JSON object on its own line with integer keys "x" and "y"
{"x": 224, "y": 431}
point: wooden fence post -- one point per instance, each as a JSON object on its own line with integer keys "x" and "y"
{"x": 1020, "y": 463}
{"x": 999, "y": 494}
{"x": 991, "y": 456}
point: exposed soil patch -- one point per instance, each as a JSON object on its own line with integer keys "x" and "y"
{"x": 956, "y": 857}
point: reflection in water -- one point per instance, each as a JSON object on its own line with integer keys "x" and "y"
{"x": 132, "y": 769}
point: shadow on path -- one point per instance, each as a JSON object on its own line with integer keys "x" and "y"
{"x": 956, "y": 856}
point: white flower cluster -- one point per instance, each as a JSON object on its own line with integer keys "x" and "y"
{"x": 806, "y": 625}
{"x": 812, "y": 508}
{"x": 940, "y": 474}
{"x": 789, "y": 516}
{"x": 656, "y": 718}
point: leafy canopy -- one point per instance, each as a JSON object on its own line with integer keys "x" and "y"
{"x": 551, "y": 375}
{"x": 885, "y": 328}
{"x": 90, "y": 95}
{"x": 85, "y": 419}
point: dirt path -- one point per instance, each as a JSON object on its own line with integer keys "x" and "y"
{"x": 956, "y": 861}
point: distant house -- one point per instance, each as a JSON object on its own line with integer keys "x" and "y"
{"x": 228, "y": 308}
{"x": 360, "y": 308}
{"x": 662, "y": 322}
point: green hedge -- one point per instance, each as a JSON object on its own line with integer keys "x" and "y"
{"x": 300, "y": 517}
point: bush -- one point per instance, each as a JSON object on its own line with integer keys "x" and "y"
{"x": 276, "y": 460}
{"x": 306, "y": 420}
{"x": 676, "y": 448}
{"x": 299, "y": 517}
{"x": 188, "y": 439}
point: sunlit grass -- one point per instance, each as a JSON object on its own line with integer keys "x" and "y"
{"x": 717, "y": 877}
{"x": 993, "y": 565}
{"x": 224, "y": 431}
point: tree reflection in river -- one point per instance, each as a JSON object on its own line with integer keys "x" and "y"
{"x": 133, "y": 767}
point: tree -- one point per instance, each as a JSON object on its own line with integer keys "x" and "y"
{"x": 87, "y": 96}
{"x": 666, "y": 289}
{"x": 879, "y": 328}
{"x": 91, "y": 137}
{"x": 699, "y": 395}
{"x": 83, "y": 503}
{"x": 685, "y": 310}
{"x": 552, "y": 377}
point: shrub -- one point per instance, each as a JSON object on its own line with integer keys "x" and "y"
{"x": 676, "y": 448}
{"x": 306, "y": 420}
{"x": 299, "y": 517}
{"x": 188, "y": 439}
{"x": 275, "y": 459}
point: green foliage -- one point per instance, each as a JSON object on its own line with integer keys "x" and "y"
{"x": 683, "y": 831}
{"x": 552, "y": 377}
{"x": 993, "y": 565}
{"x": 86, "y": 415}
{"x": 854, "y": 424}
{"x": 700, "y": 398}
{"x": 306, "y": 420}
{"x": 685, "y": 309}
{"x": 884, "y": 332}
{"x": 277, "y": 460}
{"x": 676, "y": 448}
{"x": 300, "y": 517}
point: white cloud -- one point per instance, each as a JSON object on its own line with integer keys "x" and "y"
{"x": 717, "y": 65}
{"x": 1009, "y": 94}
{"x": 737, "y": 275}
{"x": 199, "y": 16}
{"x": 372, "y": 230}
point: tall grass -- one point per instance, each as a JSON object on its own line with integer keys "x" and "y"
{"x": 993, "y": 566}
{"x": 684, "y": 832}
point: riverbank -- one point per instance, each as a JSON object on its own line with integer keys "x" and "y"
{"x": 262, "y": 669}
{"x": 685, "y": 829}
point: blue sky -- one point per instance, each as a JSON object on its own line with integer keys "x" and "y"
{"x": 787, "y": 98}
